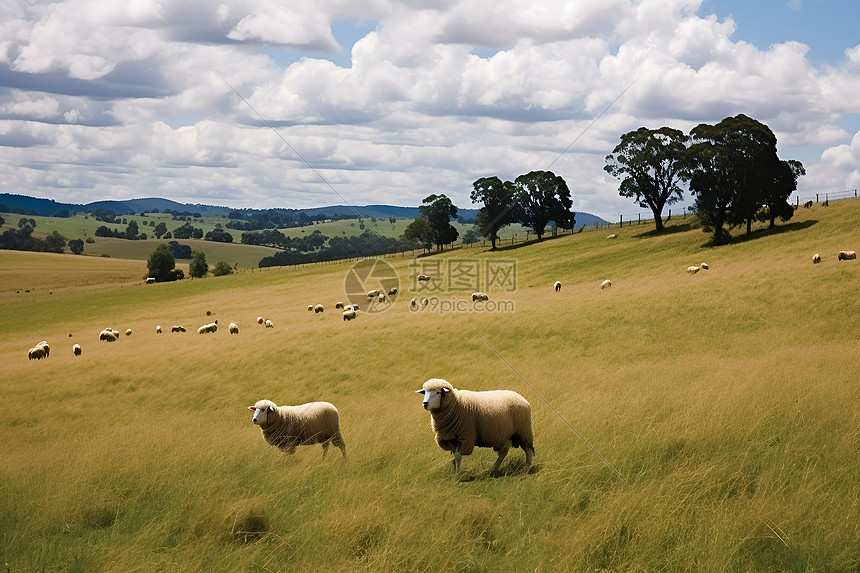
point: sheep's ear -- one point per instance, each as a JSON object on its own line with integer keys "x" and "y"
{"x": 445, "y": 390}
{"x": 270, "y": 409}
{"x": 251, "y": 408}
{"x": 419, "y": 391}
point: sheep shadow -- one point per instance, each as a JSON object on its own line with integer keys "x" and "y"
{"x": 515, "y": 468}
{"x": 667, "y": 230}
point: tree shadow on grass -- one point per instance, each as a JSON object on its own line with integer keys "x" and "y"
{"x": 667, "y": 230}
{"x": 529, "y": 242}
{"x": 759, "y": 233}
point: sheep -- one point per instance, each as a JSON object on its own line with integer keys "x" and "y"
{"x": 381, "y": 297}
{"x": 310, "y": 307}
{"x": 37, "y": 352}
{"x": 606, "y": 284}
{"x": 372, "y": 294}
{"x": 349, "y": 314}
{"x": 476, "y": 296}
{"x": 76, "y": 349}
{"x": 150, "y": 280}
{"x": 303, "y": 425}
{"x": 211, "y": 327}
{"x": 846, "y": 256}
{"x": 201, "y": 330}
{"x": 557, "y": 286}
{"x": 462, "y": 419}
{"x": 259, "y": 320}
{"x": 423, "y": 278}
{"x": 128, "y": 332}
{"x": 612, "y": 236}
{"x": 425, "y": 301}
{"x": 816, "y": 258}
{"x": 318, "y": 309}
{"x": 177, "y": 328}
{"x": 269, "y": 324}
{"x": 109, "y": 335}
{"x": 692, "y": 270}
{"x": 392, "y": 291}
{"x": 338, "y": 304}
{"x": 413, "y": 304}
{"x": 158, "y": 330}
{"x": 233, "y": 328}
{"x": 704, "y": 266}
{"x": 44, "y": 344}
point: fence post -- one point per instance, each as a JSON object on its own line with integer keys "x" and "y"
{"x": 816, "y": 197}
{"x": 620, "y": 221}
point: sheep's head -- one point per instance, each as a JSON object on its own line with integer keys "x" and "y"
{"x": 261, "y": 410}
{"x": 434, "y": 390}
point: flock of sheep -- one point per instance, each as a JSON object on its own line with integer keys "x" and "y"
{"x": 460, "y": 419}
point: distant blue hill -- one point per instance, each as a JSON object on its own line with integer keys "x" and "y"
{"x": 22, "y": 204}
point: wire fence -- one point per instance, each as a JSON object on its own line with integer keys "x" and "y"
{"x": 529, "y": 236}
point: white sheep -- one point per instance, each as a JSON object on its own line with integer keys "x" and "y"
{"x": 128, "y": 332}
{"x": 462, "y": 419}
{"x": 290, "y": 426}
{"x": 76, "y": 349}
{"x": 202, "y": 330}
{"x": 177, "y": 328}
{"x": 233, "y": 328}
{"x": 37, "y": 353}
{"x": 318, "y": 309}
{"x": 259, "y": 320}
{"x": 413, "y": 304}
{"x": 612, "y": 236}
{"x": 338, "y": 304}
{"x": 381, "y": 297}
{"x": 846, "y": 256}
{"x": 425, "y": 301}
{"x": 392, "y": 291}
{"x": 476, "y": 296}
{"x": 424, "y": 278}
{"x": 150, "y": 280}
{"x": 349, "y": 314}
{"x": 372, "y": 294}
{"x": 109, "y": 335}
{"x": 816, "y": 258}
{"x": 557, "y": 286}
{"x": 606, "y": 284}
{"x": 704, "y": 266}
{"x": 158, "y": 330}
{"x": 310, "y": 307}
{"x": 692, "y": 270}
{"x": 269, "y": 324}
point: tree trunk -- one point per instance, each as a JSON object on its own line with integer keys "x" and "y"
{"x": 749, "y": 226}
{"x": 658, "y": 220}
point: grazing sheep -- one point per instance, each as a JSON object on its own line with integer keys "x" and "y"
{"x": 704, "y": 266}
{"x": 318, "y": 309}
{"x": 128, "y": 332}
{"x": 816, "y": 258}
{"x": 177, "y": 329}
{"x": 846, "y": 256}
{"x": 612, "y": 236}
{"x": 304, "y": 425}
{"x": 233, "y": 328}
{"x": 354, "y": 307}
{"x": 259, "y": 320}
{"x": 310, "y": 307}
{"x": 476, "y": 296}
{"x": 372, "y": 294}
{"x": 338, "y": 304}
{"x": 76, "y": 349}
{"x": 413, "y": 304}
{"x": 381, "y": 297}
{"x": 150, "y": 280}
{"x": 44, "y": 344}
{"x": 392, "y": 291}
{"x": 423, "y": 278}
{"x": 109, "y": 335}
{"x": 37, "y": 353}
{"x": 692, "y": 270}
{"x": 462, "y": 419}
{"x": 211, "y": 327}
{"x": 201, "y": 330}
{"x": 269, "y": 324}
{"x": 606, "y": 284}
{"x": 349, "y": 314}
{"x": 557, "y": 286}
{"x": 158, "y": 330}
{"x": 425, "y": 301}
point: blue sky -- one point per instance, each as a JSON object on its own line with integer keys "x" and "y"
{"x": 388, "y": 102}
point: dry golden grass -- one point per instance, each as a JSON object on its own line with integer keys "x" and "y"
{"x": 727, "y": 403}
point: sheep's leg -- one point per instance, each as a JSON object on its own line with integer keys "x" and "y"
{"x": 503, "y": 451}
{"x": 457, "y": 457}
{"x": 337, "y": 440}
{"x": 325, "y": 448}
{"x": 530, "y": 452}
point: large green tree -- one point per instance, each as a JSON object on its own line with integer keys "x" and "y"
{"x": 419, "y": 231}
{"x": 650, "y": 164}
{"x": 439, "y": 210}
{"x": 776, "y": 194}
{"x": 732, "y": 164}
{"x": 161, "y": 264}
{"x": 498, "y": 210}
{"x": 541, "y": 197}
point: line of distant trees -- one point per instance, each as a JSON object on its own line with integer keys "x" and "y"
{"x": 22, "y": 239}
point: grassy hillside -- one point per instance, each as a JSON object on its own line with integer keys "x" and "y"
{"x": 705, "y": 422}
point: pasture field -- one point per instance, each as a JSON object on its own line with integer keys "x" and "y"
{"x": 706, "y": 422}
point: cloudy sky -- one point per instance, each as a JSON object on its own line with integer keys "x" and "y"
{"x": 264, "y": 103}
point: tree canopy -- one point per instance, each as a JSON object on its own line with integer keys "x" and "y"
{"x": 498, "y": 210}
{"x": 541, "y": 197}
